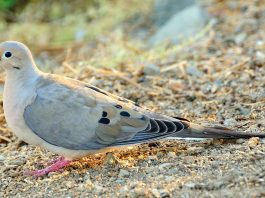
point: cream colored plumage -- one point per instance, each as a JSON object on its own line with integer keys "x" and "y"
{"x": 74, "y": 119}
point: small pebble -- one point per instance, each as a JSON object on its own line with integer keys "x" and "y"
{"x": 69, "y": 184}
{"x": 99, "y": 189}
{"x": 240, "y": 141}
{"x": 89, "y": 184}
{"x": 155, "y": 192}
{"x": 164, "y": 193}
{"x": 18, "y": 162}
{"x": 253, "y": 142}
{"x": 139, "y": 192}
{"x": 151, "y": 69}
{"x": 120, "y": 181}
{"x": 2, "y": 158}
{"x": 171, "y": 154}
{"x": 175, "y": 85}
{"x": 190, "y": 185}
{"x": 123, "y": 191}
{"x": 124, "y": 173}
{"x": 230, "y": 122}
{"x": 240, "y": 38}
{"x": 194, "y": 71}
{"x": 260, "y": 56}
{"x": 109, "y": 159}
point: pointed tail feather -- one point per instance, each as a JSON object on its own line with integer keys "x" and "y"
{"x": 196, "y": 131}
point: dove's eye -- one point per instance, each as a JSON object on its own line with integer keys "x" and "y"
{"x": 8, "y": 54}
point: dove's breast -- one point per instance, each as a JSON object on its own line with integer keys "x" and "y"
{"x": 16, "y": 97}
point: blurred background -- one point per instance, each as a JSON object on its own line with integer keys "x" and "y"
{"x": 111, "y": 33}
{"x": 114, "y": 30}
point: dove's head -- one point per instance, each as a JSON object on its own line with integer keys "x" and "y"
{"x": 15, "y": 56}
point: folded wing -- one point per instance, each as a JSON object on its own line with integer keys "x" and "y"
{"x": 73, "y": 115}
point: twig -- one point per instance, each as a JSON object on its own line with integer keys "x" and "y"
{"x": 111, "y": 73}
{"x": 5, "y": 138}
{"x": 172, "y": 67}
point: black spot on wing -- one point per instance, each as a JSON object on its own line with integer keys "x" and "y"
{"x": 118, "y": 106}
{"x": 183, "y": 119}
{"x": 136, "y": 104}
{"x": 104, "y": 121}
{"x": 125, "y": 114}
{"x": 97, "y": 90}
{"x": 123, "y": 100}
{"x": 104, "y": 114}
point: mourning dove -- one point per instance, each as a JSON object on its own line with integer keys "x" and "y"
{"x": 75, "y": 119}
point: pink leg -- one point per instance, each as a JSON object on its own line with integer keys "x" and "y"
{"x": 57, "y": 165}
{"x": 55, "y": 160}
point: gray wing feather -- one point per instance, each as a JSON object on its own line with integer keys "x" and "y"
{"x": 67, "y": 114}
{"x": 60, "y": 124}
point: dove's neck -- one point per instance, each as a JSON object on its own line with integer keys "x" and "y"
{"x": 25, "y": 75}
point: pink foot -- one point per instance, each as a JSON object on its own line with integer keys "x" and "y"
{"x": 56, "y": 165}
{"x": 55, "y": 160}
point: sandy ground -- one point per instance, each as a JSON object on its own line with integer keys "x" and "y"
{"x": 217, "y": 80}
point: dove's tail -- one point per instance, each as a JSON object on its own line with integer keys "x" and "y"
{"x": 196, "y": 131}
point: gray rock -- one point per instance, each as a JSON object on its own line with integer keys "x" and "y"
{"x": 164, "y": 9}
{"x": 151, "y": 69}
{"x": 240, "y": 38}
{"x": 171, "y": 154}
{"x": 69, "y": 184}
{"x": 99, "y": 189}
{"x": 190, "y": 184}
{"x": 124, "y": 191}
{"x": 120, "y": 181}
{"x": 182, "y": 25}
{"x": 2, "y": 158}
{"x": 243, "y": 111}
{"x": 124, "y": 173}
{"x": 164, "y": 193}
{"x": 260, "y": 57}
{"x": 230, "y": 122}
{"x": 194, "y": 71}
{"x": 18, "y": 162}
{"x": 155, "y": 192}
{"x": 240, "y": 141}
